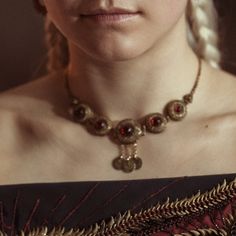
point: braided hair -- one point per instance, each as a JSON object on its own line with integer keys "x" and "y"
{"x": 58, "y": 52}
{"x": 203, "y": 30}
{"x": 202, "y": 34}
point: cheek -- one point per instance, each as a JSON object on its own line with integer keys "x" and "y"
{"x": 164, "y": 14}
{"x": 62, "y": 13}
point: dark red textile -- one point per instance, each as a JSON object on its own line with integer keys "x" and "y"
{"x": 80, "y": 204}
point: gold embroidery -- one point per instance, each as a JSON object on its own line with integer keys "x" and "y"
{"x": 230, "y": 223}
{"x": 229, "y": 228}
{"x": 159, "y": 217}
{"x": 203, "y": 232}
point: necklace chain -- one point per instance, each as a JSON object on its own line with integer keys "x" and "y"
{"x": 127, "y": 132}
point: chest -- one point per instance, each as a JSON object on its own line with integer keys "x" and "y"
{"x": 73, "y": 154}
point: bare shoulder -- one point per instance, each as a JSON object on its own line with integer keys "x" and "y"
{"x": 29, "y": 96}
{"x": 23, "y": 113}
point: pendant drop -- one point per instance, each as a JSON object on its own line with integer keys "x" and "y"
{"x": 127, "y": 132}
{"x": 128, "y": 160}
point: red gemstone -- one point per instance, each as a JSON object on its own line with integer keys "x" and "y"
{"x": 155, "y": 121}
{"x": 127, "y": 130}
{"x": 178, "y": 108}
{"x": 80, "y": 113}
{"x": 101, "y": 124}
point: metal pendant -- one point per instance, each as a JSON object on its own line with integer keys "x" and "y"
{"x": 127, "y": 132}
{"x": 128, "y": 160}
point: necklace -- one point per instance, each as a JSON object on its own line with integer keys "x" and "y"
{"x": 126, "y": 132}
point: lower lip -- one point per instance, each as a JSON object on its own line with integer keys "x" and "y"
{"x": 111, "y": 18}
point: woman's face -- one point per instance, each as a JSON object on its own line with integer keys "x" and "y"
{"x": 120, "y": 40}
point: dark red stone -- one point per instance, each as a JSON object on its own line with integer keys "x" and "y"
{"x": 101, "y": 124}
{"x": 80, "y": 112}
{"x": 127, "y": 130}
{"x": 155, "y": 121}
{"x": 178, "y": 108}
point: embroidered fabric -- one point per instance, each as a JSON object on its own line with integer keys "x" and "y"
{"x": 196, "y": 205}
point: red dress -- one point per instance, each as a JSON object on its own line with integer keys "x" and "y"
{"x": 196, "y": 205}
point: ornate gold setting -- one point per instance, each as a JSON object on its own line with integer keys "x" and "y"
{"x": 176, "y": 110}
{"x": 81, "y": 112}
{"x": 155, "y": 122}
{"x": 99, "y": 125}
{"x": 128, "y": 131}
{"x": 160, "y": 217}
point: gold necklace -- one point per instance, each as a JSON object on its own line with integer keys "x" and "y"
{"x": 127, "y": 132}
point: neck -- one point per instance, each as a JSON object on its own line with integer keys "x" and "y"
{"x": 138, "y": 86}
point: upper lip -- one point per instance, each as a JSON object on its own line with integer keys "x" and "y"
{"x": 108, "y": 11}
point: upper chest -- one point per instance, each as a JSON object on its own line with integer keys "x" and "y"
{"x": 51, "y": 150}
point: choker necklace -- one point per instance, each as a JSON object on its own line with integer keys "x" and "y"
{"x": 126, "y": 132}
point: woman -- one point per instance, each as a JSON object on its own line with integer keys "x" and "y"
{"x": 130, "y": 79}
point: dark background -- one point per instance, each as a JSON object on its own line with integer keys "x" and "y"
{"x": 22, "y": 50}
{"x": 23, "y": 54}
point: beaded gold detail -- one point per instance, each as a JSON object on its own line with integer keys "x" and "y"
{"x": 161, "y": 217}
{"x": 176, "y": 110}
{"x": 128, "y": 131}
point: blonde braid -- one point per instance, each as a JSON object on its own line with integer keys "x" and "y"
{"x": 203, "y": 30}
{"x": 58, "y": 55}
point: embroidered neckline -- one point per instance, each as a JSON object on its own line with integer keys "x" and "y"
{"x": 159, "y": 217}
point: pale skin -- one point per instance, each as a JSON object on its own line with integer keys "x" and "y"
{"x": 142, "y": 66}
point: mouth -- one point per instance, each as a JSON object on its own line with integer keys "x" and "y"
{"x": 111, "y": 11}
{"x": 111, "y": 17}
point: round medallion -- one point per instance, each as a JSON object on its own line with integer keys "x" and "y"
{"x": 100, "y": 125}
{"x": 128, "y": 165}
{"x": 155, "y": 123}
{"x": 117, "y": 163}
{"x": 138, "y": 162}
{"x": 128, "y": 131}
{"x": 81, "y": 112}
{"x": 176, "y": 110}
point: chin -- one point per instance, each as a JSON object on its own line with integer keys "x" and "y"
{"x": 118, "y": 53}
